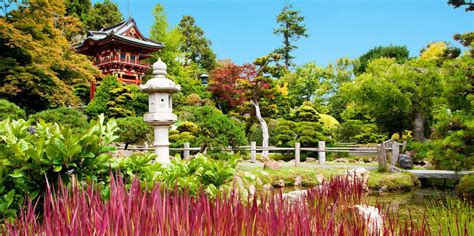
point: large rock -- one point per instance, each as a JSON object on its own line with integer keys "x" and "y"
{"x": 359, "y": 174}
{"x": 320, "y": 178}
{"x": 271, "y": 164}
{"x": 310, "y": 159}
{"x": 279, "y": 183}
{"x": 341, "y": 160}
{"x": 294, "y": 196}
{"x": 405, "y": 161}
{"x": 372, "y": 217}
{"x": 298, "y": 180}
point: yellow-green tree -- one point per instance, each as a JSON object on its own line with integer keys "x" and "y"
{"x": 38, "y": 66}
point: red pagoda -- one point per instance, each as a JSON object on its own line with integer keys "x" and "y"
{"x": 118, "y": 50}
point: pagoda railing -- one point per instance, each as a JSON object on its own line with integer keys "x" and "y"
{"x": 104, "y": 61}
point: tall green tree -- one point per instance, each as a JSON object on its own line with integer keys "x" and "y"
{"x": 291, "y": 28}
{"x": 172, "y": 39}
{"x": 305, "y": 84}
{"x": 393, "y": 94}
{"x": 102, "y": 15}
{"x": 196, "y": 46}
{"x": 79, "y": 9}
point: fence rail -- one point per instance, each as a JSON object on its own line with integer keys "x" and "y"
{"x": 384, "y": 151}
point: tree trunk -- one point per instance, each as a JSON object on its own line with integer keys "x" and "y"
{"x": 264, "y": 126}
{"x": 126, "y": 146}
{"x": 287, "y": 49}
{"x": 419, "y": 127}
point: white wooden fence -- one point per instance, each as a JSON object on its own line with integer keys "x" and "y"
{"x": 386, "y": 150}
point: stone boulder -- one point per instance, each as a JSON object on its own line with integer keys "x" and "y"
{"x": 294, "y": 196}
{"x": 341, "y": 160}
{"x": 405, "y": 161}
{"x": 320, "y": 178}
{"x": 279, "y": 183}
{"x": 298, "y": 180}
{"x": 271, "y": 164}
{"x": 372, "y": 217}
{"x": 310, "y": 159}
{"x": 359, "y": 174}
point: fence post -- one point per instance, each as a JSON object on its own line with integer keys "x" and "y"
{"x": 382, "y": 157}
{"x": 186, "y": 151}
{"x": 322, "y": 152}
{"x": 297, "y": 154}
{"x": 395, "y": 152}
{"x": 253, "y": 152}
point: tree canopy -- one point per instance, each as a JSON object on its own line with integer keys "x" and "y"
{"x": 400, "y": 53}
{"x": 196, "y": 47}
{"x": 38, "y": 66}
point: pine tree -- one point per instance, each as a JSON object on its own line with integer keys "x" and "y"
{"x": 291, "y": 28}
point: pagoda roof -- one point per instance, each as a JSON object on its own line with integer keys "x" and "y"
{"x": 124, "y": 32}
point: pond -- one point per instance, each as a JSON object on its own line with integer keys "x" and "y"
{"x": 412, "y": 203}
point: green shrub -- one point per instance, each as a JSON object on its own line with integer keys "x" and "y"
{"x": 465, "y": 188}
{"x": 178, "y": 140}
{"x": 453, "y": 143}
{"x": 82, "y": 91}
{"x": 305, "y": 113}
{"x": 10, "y": 110}
{"x": 29, "y": 160}
{"x": 283, "y": 134}
{"x": 419, "y": 151}
{"x": 216, "y": 129}
{"x": 188, "y": 126}
{"x": 133, "y": 130}
{"x": 102, "y": 96}
{"x": 200, "y": 173}
{"x": 360, "y": 132}
{"x": 64, "y": 116}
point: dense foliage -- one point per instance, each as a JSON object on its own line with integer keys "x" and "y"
{"x": 115, "y": 99}
{"x": 64, "y": 116}
{"x": 10, "y": 110}
{"x": 32, "y": 155}
{"x": 39, "y": 68}
{"x": 101, "y": 15}
{"x": 133, "y": 130}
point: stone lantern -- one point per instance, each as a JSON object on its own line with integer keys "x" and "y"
{"x": 160, "y": 114}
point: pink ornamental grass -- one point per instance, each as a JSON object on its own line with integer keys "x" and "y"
{"x": 325, "y": 210}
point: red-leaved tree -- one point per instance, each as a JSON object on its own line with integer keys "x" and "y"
{"x": 225, "y": 85}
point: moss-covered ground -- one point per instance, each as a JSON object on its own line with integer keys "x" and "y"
{"x": 258, "y": 177}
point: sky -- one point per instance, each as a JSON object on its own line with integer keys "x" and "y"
{"x": 242, "y": 30}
